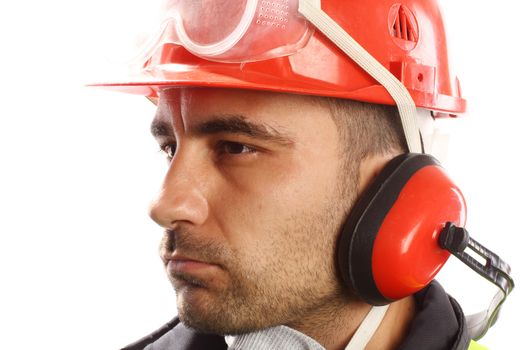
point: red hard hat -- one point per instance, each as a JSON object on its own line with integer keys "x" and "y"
{"x": 407, "y": 38}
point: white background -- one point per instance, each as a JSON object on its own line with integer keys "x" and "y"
{"x": 78, "y": 261}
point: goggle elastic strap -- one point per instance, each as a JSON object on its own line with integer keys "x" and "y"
{"x": 311, "y": 10}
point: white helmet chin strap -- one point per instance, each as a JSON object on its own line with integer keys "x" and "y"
{"x": 434, "y": 133}
{"x": 311, "y": 10}
{"x": 367, "y": 328}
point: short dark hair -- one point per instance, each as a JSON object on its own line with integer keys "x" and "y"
{"x": 368, "y": 129}
{"x": 365, "y": 130}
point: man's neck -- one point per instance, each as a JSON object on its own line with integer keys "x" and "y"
{"x": 334, "y": 326}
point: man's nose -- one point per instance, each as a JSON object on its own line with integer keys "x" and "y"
{"x": 182, "y": 196}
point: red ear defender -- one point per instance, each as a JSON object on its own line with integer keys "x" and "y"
{"x": 389, "y": 246}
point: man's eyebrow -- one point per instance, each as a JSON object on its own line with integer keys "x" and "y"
{"x": 238, "y": 124}
{"x": 161, "y": 128}
{"x": 234, "y": 124}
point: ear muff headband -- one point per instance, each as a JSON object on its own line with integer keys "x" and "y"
{"x": 388, "y": 248}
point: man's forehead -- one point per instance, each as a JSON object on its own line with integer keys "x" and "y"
{"x": 195, "y": 95}
{"x": 185, "y": 95}
{"x": 257, "y": 113}
{"x": 201, "y": 104}
{"x": 213, "y": 111}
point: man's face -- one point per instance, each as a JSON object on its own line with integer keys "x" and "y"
{"x": 252, "y": 203}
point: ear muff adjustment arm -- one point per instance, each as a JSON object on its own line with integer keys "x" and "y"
{"x": 456, "y": 240}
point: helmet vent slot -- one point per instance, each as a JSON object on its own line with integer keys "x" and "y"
{"x": 404, "y": 25}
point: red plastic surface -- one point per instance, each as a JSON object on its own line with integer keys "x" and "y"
{"x": 406, "y": 254}
{"x": 322, "y": 69}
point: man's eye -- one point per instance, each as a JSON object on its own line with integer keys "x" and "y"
{"x": 228, "y": 147}
{"x": 169, "y": 149}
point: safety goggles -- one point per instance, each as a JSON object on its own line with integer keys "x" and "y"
{"x": 231, "y": 30}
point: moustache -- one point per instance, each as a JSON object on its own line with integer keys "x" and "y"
{"x": 193, "y": 246}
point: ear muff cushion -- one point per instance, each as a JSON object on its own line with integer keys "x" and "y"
{"x": 357, "y": 238}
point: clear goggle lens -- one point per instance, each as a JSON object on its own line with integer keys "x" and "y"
{"x": 231, "y": 30}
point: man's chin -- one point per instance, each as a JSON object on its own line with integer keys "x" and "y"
{"x": 206, "y": 307}
{"x": 200, "y": 310}
{"x": 204, "y": 321}
{"x": 204, "y": 324}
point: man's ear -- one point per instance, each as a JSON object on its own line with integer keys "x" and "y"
{"x": 371, "y": 166}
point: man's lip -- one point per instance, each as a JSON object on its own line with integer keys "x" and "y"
{"x": 194, "y": 267}
{"x": 180, "y": 258}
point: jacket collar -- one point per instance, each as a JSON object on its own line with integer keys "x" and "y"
{"x": 439, "y": 323}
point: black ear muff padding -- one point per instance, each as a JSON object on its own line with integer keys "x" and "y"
{"x": 357, "y": 238}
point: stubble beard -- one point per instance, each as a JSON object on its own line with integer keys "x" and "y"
{"x": 284, "y": 285}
